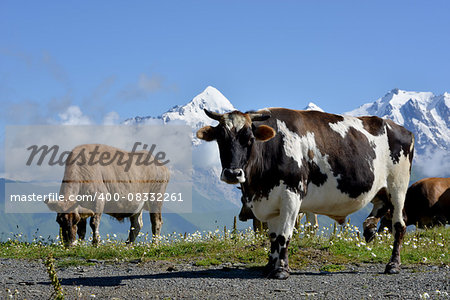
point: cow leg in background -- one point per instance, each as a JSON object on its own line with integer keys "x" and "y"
{"x": 311, "y": 219}
{"x": 95, "y": 224}
{"x": 386, "y": 222}
{"x": 155, "y": 209}
{"x": 135, "y": 227}
{"x": 379, "y": 209}
{"x": 156, "y": 220}
{"x": 259, "y": 226}
{"x": 280, "y": 233}
{"x": 81, "y": 228}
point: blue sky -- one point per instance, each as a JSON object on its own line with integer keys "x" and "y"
{"x": 117, "y": 59}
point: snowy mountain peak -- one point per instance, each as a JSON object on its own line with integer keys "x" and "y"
{"x": 192, "y": 113}
{"x": 425, "y": 114}
{"x": 313, "y": 106}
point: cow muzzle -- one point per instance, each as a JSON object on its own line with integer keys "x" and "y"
{"x": 232, "y": 176}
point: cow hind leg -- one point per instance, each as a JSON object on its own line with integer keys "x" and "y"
{"x": 135, "y": 227}
{"x": 156, "y": 220}
{"x": 95, "y": 224}
{"x": 398, "y": 224}
{"x": 280, "y": 233}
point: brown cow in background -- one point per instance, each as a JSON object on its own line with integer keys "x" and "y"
{"x": 125, "y": 185}
{"x": 427, "y": 204}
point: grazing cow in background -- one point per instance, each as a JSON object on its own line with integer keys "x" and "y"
{"x": 291, "y": 161}
{"x": 427, "y": 204}
{"x": 125, "y": 185}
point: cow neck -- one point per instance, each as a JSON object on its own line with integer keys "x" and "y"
{"x": 244, "y": 193}
{"x": 258, "y": 180}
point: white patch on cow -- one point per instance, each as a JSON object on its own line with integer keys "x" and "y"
{"x": 388, "y": 125}
{"x": 343, "y": 126}
{"x": 398, "y": 181}
{"x": 234, "y": 121}
{"x": 296, "y": 146}
{"x": 279, "y": 209}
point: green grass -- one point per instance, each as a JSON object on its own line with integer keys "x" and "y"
{"x": 332, "y": 268}
{"x": 328, "y": 249}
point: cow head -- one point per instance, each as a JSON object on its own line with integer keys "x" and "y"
{"x": 236, "y": 135}
{"x": 68, "y": 219}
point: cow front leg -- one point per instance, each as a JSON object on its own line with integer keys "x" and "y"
{"x": 156, "y": 220}
{"x": 94, "y": 222}
{"x": 81, "y": 228}
{"x": 280, "y": 233}
{"x": 155, "y": 210}
{"x": 135, "y": 227}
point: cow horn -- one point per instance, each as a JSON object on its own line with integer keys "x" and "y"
{"x": 213, "y": 115}
{"x": 258, "y": 116}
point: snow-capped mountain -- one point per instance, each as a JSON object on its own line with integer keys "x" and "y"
{"x": 206, "y": 172}
{"x": 312, "y": 106}
{"x": 425, "y": 114}
{"x": 192, "y": 113}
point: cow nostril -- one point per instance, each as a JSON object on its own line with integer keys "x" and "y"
{"x": 240, "y": 173}
{"x": 227, "y": 172}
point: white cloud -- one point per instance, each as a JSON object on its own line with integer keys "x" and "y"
{"x": 150, "y": 84}
{"x": 74, "y": 116}
{"x": 434, "y": 163}
{"x": 145, "y": 86}
{"x": 111, "y": 118}
{"x": 206, "y": 155}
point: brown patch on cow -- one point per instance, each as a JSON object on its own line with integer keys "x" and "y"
{"x": 310, "y": 154}
{"x": 351, "y": 160}
{"x": 400, "y": 141}
{"x": 373, "y": 125}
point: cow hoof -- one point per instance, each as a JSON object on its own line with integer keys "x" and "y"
{"x": 279, "y": 273}
{"x": 369, "y": 234}
{"x": 392, "y": 268}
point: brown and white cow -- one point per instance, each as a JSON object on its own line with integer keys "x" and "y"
{"x": 427, "y": 204}
{"x": 116, "y": 189}
{"x": 291, "y": 161}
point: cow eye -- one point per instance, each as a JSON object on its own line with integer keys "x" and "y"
{"x": 245, "y": 139}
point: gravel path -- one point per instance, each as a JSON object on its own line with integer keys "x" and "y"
{"x": 165, "y": 280}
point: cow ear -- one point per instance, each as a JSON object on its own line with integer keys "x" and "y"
{"x": 85, "y": 212}
{"x": 264, "y": 133}
{"x": 207, "y": 133}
